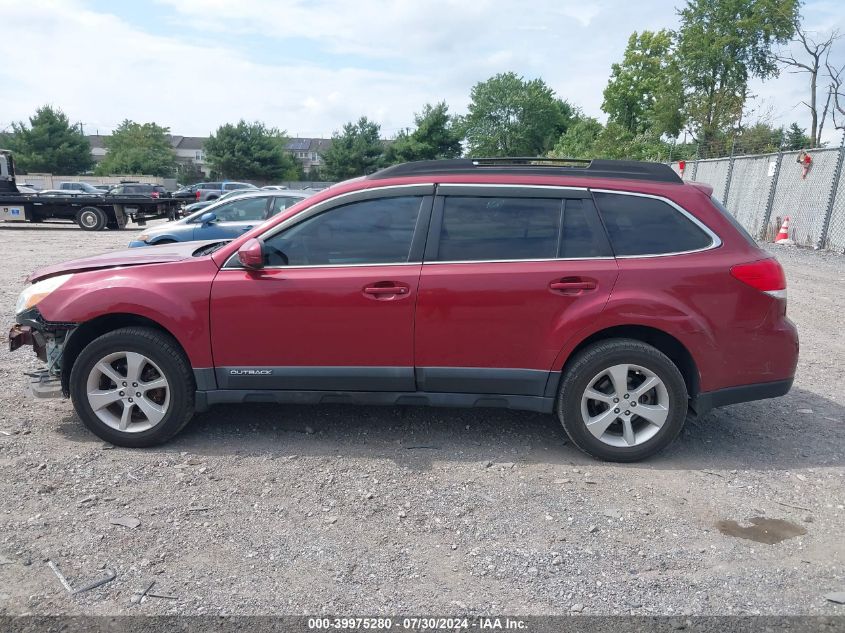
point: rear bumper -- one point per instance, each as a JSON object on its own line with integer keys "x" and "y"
{"x": 708, "y": 400}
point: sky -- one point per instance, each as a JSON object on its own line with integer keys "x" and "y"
{"x": 309, "y": 66}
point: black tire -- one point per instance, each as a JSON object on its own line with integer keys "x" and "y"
{"x": 91, "y": 219}
{"x": 592, "y": 360}
{"x": 160, "y": 348}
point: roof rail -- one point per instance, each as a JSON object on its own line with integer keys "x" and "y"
{"x": 600, "y": 168}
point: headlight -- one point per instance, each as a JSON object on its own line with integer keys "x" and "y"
{"x": 143, "y": 237}
{"x": 37, "y": 291}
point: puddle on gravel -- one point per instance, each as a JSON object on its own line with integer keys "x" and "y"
{"x": 768, "y": 531}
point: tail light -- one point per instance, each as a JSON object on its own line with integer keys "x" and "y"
{"x": 766, "y": 275}
{"x": 154, "y": 194}
{"x": 198, "y": 195}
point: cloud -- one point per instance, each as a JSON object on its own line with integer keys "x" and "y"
{"x": 308, "y": 66}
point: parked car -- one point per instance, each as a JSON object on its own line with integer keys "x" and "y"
{"x": 196, "y": 206}
{"x": 609, "y": 293}
{"x": 223, "y": 219}
{"x": 79, "y": 187}
{"x": 187, "y": 192}
{"x": 212, "y": 190}
{"x": 61, "y": 192}
{"x": 140, "y": 188}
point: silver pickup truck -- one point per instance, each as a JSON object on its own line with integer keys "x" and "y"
{"x": 212, "y": 190}
{"x": 80, "y": 187}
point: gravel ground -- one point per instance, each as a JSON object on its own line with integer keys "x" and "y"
{"x": 265, "y": 509}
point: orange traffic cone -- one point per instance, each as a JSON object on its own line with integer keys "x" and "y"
{"x": 783, "y": 234}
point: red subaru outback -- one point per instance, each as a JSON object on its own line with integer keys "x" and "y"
{"x": 609, "y": 293}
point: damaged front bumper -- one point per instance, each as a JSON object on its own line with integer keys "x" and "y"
{"x": 42, "y": 384}
{"x": 48, "y": 341}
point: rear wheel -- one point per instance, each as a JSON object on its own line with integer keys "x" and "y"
{"x": 133, "y": 387}
{"x": 622, "y": 400}
{"x": 91, "y": 219}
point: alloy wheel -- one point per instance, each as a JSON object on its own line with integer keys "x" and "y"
{"x": 128, "y": 392}
{"x": 625, "y": 405}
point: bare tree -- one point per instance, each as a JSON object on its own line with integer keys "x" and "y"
{"x": 836, "y": 89}
{"x": 816, "y": 50}
{"x": 826, "y": 110}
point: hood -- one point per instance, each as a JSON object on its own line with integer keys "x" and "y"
{"x": 118, "y": 259}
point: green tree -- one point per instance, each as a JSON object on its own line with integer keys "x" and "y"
{"x": 138, "y": 148}
{"x": 587, "y": 138}
{"x": 355, "y": 151}
{"x": 644, "y": 93}
{"x": 50, "y": 144}
{"x": 511, "y": 116}
{"x": 758, "y": 138}
{"x": 579, "y": 140}
{"x": 721, "y": 45}
{"x": 795, "y": 138}
{"x": 250, "y": 151}
{"x": 436, "y": 136}
{"x": 189, "y": 173}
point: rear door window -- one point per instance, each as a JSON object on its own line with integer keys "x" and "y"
{"x": 583, "y": 235}
{"x": 640, "y": 225}
{"x": 489, "y": 229}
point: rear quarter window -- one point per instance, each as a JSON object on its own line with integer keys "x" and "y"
{"x": 734, "y": 222}
{"x": 639, "y": 225}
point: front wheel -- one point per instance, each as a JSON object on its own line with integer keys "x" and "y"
{"x": 133, "y": 387}
{"x": 622, "y": 400}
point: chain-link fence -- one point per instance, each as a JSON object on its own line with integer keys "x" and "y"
{"x": 764, "y": 189}
{"x": 750, "y": 189}
{"x": 836, "y": 226}
{"x": 715, "y": 173}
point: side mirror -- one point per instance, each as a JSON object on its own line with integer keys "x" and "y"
{"x": 208, "y": 218}
{"x": 251, "y": 255}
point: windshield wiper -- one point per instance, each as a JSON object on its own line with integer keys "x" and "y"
{"x": 208, "y": 249}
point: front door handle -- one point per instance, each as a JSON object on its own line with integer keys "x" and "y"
{"x": 246, "y": 228}
{"x": 385, "y": 290}
{"x": 573, "y": 285}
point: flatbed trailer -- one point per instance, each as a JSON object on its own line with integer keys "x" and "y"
{"x": 90, "y": 212}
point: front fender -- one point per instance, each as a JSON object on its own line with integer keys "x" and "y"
{"x": 174, "y": 295}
